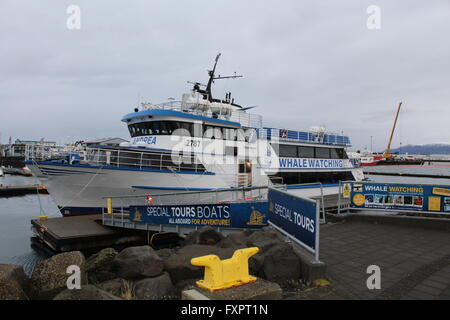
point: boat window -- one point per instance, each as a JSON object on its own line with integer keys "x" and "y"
{"x": 306, "y": 152}
{"x": 209, "y": 132}
{"x": 287, "y": 150}
{"x": 334, "y": 153}
{"x": 240, "y": 136}
{"x": 160, "y": 128}
{"x": 188, "y": 128}
{"x": 323, "y": 153}
{"x": 198, "y": 130}
{"x": 291, "y": 178}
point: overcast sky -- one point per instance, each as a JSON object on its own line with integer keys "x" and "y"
{"x": 305, "y": 63}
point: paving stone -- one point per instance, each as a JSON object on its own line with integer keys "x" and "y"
{"x": 412, "y": 260}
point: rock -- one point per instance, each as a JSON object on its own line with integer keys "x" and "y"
{"x": 264, "y": 239}
{"x": 280, "y": 264}
{"x": 205, "y": 235}
{"x": 237, "y": 240}
{"x": 87, "y": 292}
{"x": 14, "y": 284}
{"x": 50, "y": 276}
{"x": 159, "y": 288}
{"x": 138, "y": 262}
{"x": 165, "y": 253}
{"x": 179, "y": 264}
{"x": 100, "y": 266}
{"x": 118, "y": 287}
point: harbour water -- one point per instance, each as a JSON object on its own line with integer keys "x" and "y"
{"x": 15, "y": 216}
{"x": 434, "y": 170}
{"x": 16, "y": 212}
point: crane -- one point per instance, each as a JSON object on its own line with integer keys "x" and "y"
{"x": 387, "y": 154}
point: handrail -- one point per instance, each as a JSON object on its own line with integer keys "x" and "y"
{"x": 189, "y": 192}
{"x": 142, "y": 159}
{"x": 244, "y": 118}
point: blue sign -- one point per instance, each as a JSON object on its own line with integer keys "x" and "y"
{"x": 295, "y": 216}
{"x": 224, "y": 215}
{"x": 408, "y": 197}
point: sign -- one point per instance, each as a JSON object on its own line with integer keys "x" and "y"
{"x": 309, "y": 163}
{"x": 347, "y": 190}
{"x": 224, "y": 215}
{"x": 296, "y": 217}
{"x": 407, "y": 197}
{"x": 144, "y": 139}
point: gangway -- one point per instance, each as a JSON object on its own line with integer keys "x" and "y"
{"x": 247, "y": 209}
{"x": 247, "y": 201}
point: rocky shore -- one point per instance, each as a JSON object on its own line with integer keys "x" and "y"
{"x": 142, "y": 273}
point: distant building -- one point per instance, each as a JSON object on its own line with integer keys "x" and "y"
{"x": 105, "y": 142}
{"x": 18, "y": 149}
{"x": 35, "y": 143}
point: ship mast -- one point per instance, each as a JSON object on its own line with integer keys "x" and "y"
{"x": 207, "y": 94}
{"x": 387, "y": 154}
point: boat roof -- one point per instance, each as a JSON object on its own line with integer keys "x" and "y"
{"x": 173, "y": 113}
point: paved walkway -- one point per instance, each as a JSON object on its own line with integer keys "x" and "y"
{"x": 414, "y": 262}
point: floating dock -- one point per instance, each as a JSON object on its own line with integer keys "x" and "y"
{"x": 82, "y": 233}
{"x": 12, "y": 191}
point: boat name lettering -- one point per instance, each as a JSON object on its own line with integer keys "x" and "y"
{"x": 146, "y": 139}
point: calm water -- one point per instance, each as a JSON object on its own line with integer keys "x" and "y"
{"x": 437, "y": 170}
{"x": 15, "y": 226}
{"x": 16, "y": 212}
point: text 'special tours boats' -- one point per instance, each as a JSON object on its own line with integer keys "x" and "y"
{"x": 196, "y": 144}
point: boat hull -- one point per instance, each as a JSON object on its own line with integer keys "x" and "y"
{"x": 80, "y": 190}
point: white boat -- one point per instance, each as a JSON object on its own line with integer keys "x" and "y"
{"x": 196, "y": 144}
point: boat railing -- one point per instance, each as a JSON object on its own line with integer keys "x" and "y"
{"x": 142, "y": 160}
{"x": 43, "y": 153}
{"x": 328, "y": 138}
{"x": 242, "y": 117}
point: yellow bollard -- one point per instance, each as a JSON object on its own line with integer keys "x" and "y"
{"x": 110, "y": 208}
{"x": 224, "y": 274}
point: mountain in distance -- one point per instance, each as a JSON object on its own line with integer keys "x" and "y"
{"x": 435, "y": 148}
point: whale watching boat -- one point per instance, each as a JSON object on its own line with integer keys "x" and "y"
{"x": 196, "y": 144}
